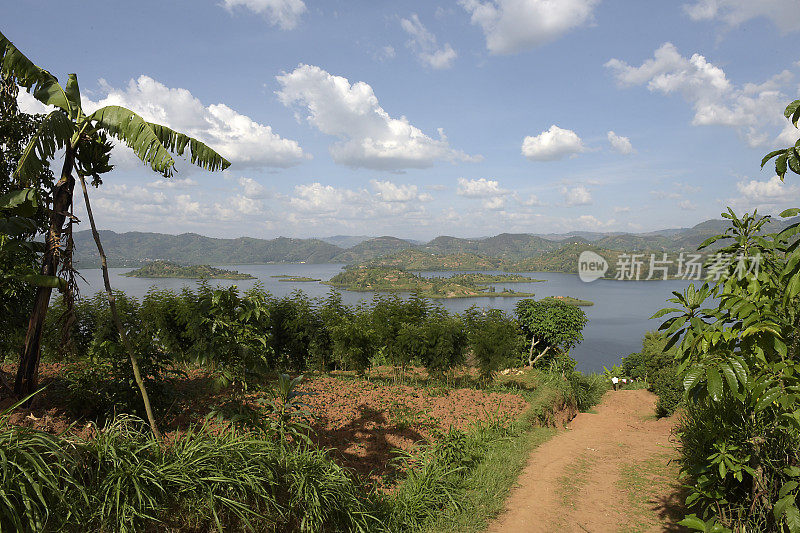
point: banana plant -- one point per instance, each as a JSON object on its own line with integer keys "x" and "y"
{"x": 86, "y": 142}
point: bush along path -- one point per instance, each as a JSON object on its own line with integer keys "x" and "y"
{"x": 610, "y": 470}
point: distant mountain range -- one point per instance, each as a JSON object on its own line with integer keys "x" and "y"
{"x": 133, "y": 249}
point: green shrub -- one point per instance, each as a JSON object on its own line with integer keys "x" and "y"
{"x": 714, "y": 431}
{"x": 656, "y": 365}
{"x": 494, "y": 340}
{"x": 667, "y": 384}
{"x": 588, "y": 389}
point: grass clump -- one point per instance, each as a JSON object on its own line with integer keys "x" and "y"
{"x": 124, "y": 480}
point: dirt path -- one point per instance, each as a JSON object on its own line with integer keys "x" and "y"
{"x": 610, "y": 471}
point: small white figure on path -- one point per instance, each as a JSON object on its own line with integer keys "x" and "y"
{"x": 615, "y": 380}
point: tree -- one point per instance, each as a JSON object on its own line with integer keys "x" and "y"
{"x": 494, "y": 339}
{"x": 550, "y": 326}
{"x": 85, "y": 141}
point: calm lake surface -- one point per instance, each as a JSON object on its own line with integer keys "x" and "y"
{"x": 617, "y": 320}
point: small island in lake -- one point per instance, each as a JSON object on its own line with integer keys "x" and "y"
{"x": 165, "y": 269}
{"x": 297, "y": 279}
{"x": 481, "y": 278}
{"x": 395, "y": 280}
{"x": 569, "y": 300}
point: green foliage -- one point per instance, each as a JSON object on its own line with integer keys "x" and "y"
{"x": 494, "y": 338}
{"x": 21, "y": 219}
{"x": 656, "y": 366}
{"x": 436, "y": 474}
{"x": 354, "y": 341}
{"x": 104, "y": 383}
{"x": 395, "y": 280}
{"x": 550, "y": 326}
{"x": 740, "y": 363}
{"x": 35, "y": 478}
{"x": 125, "y": 480}
{"x": 287, "y": 415}
{"x": 231, "y": 334}
{"x": 587, "y": 389}
{"x": 447, "y": 342}
{"x": 165, "y": 269}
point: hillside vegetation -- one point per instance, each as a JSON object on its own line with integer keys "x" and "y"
{"x": 165, "y": 269}
{"x": 441, "y": 253}
{"x": 395, "y": 280}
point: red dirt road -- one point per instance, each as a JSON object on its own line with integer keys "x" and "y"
{"x": 610, "y": 471}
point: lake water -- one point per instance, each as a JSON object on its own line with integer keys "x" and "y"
{"x": 617, "y": 320}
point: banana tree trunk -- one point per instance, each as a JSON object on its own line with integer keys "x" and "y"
{"x": 28, "y": 370}
{"x": 112, "y": 303}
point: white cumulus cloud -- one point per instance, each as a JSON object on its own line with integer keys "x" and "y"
{"x": 173, "y": 183}
{"x": 620, "y": 144}
{"x": 575, "y": 196}
{"x": 552, "y": 144}
{"x": 771, "y": 191}
{"x": 251, "y": 188}
{"x": 425, "y": 45}
{"x": 511, "y": 26}
{"x": 479, "y": 188}
{"x": 489, "y": 190}
{"x": 282, "y": 13}
{"x": 750, "y": 109}
{"x": 387, "y": 191}
{"x": 240, "y": 139}
{"x": 369, "y": 136}
{"x": 783, "y": 13}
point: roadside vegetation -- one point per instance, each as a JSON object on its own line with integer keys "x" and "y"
{"x": 739, "y": 360}
{"x": 656, "y": 368}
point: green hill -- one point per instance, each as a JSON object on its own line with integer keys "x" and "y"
{"x": 506, "y": 250}
{"x": 137, "y": 248}
{"x": 506, "y": 246}
{"x": 372, "y": 248}
{"x": 413, "y": 259}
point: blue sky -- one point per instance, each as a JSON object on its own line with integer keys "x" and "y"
{"x": 417, "y": 119}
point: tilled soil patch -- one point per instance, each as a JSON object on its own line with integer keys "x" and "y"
{"x": 364, "y": 421}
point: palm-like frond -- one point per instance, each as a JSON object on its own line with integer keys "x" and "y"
{"x": 53, "y": 133}
{"x": 200, "y": 154}
{"x": 151, "y": 142}
{"x": 39, "y": 82}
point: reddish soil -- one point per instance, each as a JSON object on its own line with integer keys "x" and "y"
{"x": 608, "y": 471}
{"x": 363, "y": 422}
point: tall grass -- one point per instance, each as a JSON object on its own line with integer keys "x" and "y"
{"x": 123, "y": 480}
{"x": 37, "y": 485}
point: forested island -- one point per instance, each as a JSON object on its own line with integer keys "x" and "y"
{"x": 294, "y": 279}
{"x": 396, "y": 280}
{"x": 166, "y": 269}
